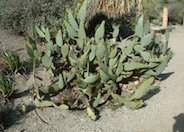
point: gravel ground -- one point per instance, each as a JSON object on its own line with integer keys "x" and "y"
{"x": 164, "y": 111}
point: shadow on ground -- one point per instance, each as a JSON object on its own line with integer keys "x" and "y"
{"x": 155, "y": 91}
{"x": 165, "y": 76}
{"x": 179, "y": 123}
{"x": 151, "y": 93}
{"x": 11, "y": 114}
{"x": 21, "y": 94}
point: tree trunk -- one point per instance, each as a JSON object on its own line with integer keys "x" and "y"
{"x": 165, "y": 16}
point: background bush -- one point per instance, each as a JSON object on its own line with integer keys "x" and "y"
{"x": 175, "y": 12}
{"x": 19, "y": 14}
{"x": 154, "y": 10}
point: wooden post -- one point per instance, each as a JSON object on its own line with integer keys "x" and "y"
{"x": 165, "y": 16}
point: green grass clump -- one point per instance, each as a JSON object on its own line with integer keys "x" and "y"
{"x": 11, "y": 61}
{"x": 6, "y": 87}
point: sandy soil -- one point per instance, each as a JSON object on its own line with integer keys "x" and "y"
{"x": 164, "y": 111}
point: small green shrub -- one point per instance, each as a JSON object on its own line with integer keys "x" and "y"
{"x": 6, "y": 88}
{"x": 99, "y": 71}
{"x": 20, "y": 14}
{"x": 11, "y": 61}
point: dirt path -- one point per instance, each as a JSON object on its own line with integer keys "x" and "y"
{"x": 9, "y": 40}
{"x": 164, "y": 111}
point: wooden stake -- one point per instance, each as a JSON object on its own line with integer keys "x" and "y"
{"x": 165, "y": 16}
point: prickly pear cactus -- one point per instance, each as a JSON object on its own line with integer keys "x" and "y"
{"x": 98, "y": 71}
